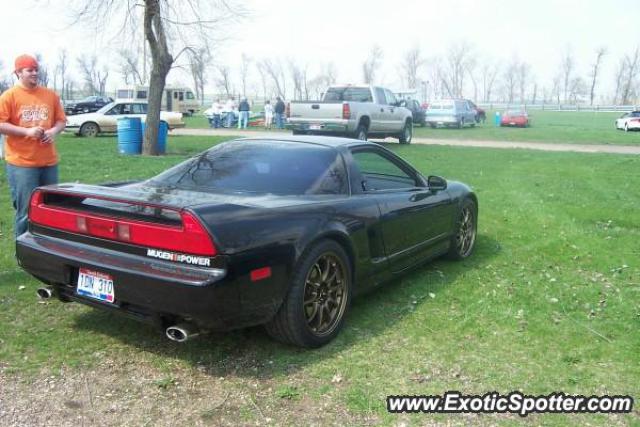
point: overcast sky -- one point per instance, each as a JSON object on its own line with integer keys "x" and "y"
{"x": 343, "y": 31}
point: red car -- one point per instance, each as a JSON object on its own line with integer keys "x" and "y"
{"x": 515, "y": 118}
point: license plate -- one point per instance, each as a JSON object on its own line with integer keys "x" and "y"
{"x": 315, "y": 127}
{"x": 512, "y": 123}
{"x": 96, "y": 285}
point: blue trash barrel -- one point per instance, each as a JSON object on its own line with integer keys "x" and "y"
{"x": 163, "y": 131}
{"x": 129, "y": 136}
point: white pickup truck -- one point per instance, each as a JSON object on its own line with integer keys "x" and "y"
{"x": 352, "y": 111}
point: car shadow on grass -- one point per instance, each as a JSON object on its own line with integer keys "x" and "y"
{"x": 251, "y": 353}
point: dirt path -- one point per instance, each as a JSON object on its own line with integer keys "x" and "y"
{"x": 577, "y": 148}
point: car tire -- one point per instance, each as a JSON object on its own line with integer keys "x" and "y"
{"x": 361, "y": 133}
{"x": 320, "y": 286}
{"x": 464, "y": 238}
{"x": 89, "y": 130}
{"x": 407, "y": 134}
{"x": 460, "y": 124}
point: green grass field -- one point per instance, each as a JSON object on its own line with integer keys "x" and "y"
{"x": 548, "y": 302}
{"x": 567, "y": 127}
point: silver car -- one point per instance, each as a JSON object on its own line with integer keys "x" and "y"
{"x": 451, "y": 112}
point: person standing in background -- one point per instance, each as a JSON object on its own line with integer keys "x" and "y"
{"x": 279, "y": 110}
{"x": 216, "y": 110}
{"x": 268, "y": 114}
{"x": 31, "y": 117}
{"x": 243, "y": 110}
{"x": 231, "y": 111}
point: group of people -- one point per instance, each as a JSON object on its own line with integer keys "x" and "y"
{"x": 224, "y": 115}
{"x": 31, "y": 116}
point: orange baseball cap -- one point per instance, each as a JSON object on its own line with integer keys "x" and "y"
{"x": 25, "y": 61}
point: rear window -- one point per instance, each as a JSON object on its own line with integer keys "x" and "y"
{"x": 353, "y": 94}
{"x": 262, "y": 167}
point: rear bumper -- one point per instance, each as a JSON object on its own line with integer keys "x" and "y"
{"x": 319, "y": 127}
{"x": 152, "y": 290}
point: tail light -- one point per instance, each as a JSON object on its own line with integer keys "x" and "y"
{"x": 346, "y": 111}
{"x": 189, "y": 236}
{"x": 287, "y": 110}
{"x": 635, "y": 120}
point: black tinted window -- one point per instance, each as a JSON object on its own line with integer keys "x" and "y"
{"x": 381, "y": 173}
{"x": 353, "y": 94}
{"x": 261, "y": 167}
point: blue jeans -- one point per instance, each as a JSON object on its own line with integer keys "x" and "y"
{"x": 243, "y": 120}
{"x": 214, "y": 122}
{"x": 280, "y": 120}
{"x": 22, "y": 181}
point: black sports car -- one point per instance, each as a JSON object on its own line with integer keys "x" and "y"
{"x": 252, "y": 231}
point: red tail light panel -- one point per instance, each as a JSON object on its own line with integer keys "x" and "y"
{"x": 190, "y": 237}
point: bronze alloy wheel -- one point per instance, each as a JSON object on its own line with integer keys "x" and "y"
{"x": 325, "y": 294}
{"x": 466, "y": 232}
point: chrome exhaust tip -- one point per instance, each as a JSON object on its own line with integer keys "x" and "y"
{"x": 182, "y": 332}
{"x": 45, "y": 293}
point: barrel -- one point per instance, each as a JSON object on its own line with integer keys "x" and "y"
{"x": 163, "y": 131}
{"x": 129, "y": 136}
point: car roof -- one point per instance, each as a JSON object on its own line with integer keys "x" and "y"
{"x": 327, "y": 141}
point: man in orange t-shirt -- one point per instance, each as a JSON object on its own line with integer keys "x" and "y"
{"x": 30, "y": 116}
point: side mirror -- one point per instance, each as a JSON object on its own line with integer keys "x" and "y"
{"x": 436, "y": 183}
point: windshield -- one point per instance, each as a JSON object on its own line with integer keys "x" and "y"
{"x": 354, "y": 94}
{"x": 264, "y": 167}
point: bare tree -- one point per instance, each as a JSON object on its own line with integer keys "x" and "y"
{"x": 458, "y": 59}
{"x": 371, "y": 64}
{"x": 273, "y": 69}
{"x": 199, "y": 59}
{"x": 633, "y": 62}
{"x": 523, "y": 76}
{"x": 224, "y": 79}
{"x": 595, "y": 68}
{"x": 489, "y": 72}
{"x": 410, "y": 66}
{"x": 244, "y": 73}
{"x": 557, "y": 87}
{"x": 470, "y": 67}
{"x": 95, "y": 80}
{"x": 4, "y": 81}
{"x": 130, "y": 67}
{"x": 264, "y": 78}
{"x": 168, "y": 26}
{"x": 61, "y": 70}
{"x": 298, "y": 77}
{"x": 43, "y": 71}
{"x": 510, "y": 79}
{"x": 620, "y": 73}
{"x": 567, "y": 65}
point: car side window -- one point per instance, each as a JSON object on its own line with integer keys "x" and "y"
{"x": 380, "y": 173}
{"x": 391, "y": 98}
{"x": 138, "y": 108}
{"x": 115, "y": 110}
{"x": 382, "y": 99}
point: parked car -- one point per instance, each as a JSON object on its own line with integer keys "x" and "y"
{"x": 252, "y": 231}
{"x": 106, "y": 118}
{"x": 481, "y": 114}
{"x": 416, "y": 109}
{"x": 515, "y": 117}
{"x": 352, "y": 111}
{"x": 629, "y": 121}
{"x": 451, "y": 112}
{"x": 87, "y": 105}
